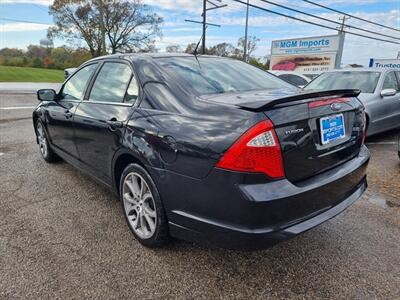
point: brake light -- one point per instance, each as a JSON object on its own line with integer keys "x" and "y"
{"x": 327, "y": 102}
{"x": 364, "y": 127}
{"x": 257, "y": 150}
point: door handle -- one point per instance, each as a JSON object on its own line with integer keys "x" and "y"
{"x": 113, "y": 124}
{"x": 68, "y": 114}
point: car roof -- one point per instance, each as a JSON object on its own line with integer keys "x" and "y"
{"x": 380, "y": 70}
{"x": 133, "y": 56}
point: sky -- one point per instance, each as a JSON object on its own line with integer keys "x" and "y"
{"x": 265, "y": 26}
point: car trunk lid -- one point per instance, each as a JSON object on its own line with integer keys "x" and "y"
{"x": 302, "y": 123}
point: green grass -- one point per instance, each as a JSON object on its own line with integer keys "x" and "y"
{"x": 22, "y": 74}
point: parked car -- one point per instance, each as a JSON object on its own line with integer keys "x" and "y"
{"x": 294, "y": 78}
{"x": 68, "y": 72}
{"x": 380, "y": 93}
{"x": 207, "y": 149}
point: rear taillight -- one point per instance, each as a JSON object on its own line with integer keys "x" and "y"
{"x": 364, "y": 127}
{"x": 257, "y": 151}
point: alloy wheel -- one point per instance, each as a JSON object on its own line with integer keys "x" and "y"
{"x": 42, "y": 139}
{"x": 139, "y": 205}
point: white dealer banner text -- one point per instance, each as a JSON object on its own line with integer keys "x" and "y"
{"x": 313, "y": 45}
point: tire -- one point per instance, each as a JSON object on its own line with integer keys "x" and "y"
{"x": 142, "y": 207}
{"x": 44, "y": 146}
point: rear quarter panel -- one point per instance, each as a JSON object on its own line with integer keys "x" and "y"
{"x": 188, "y": 144}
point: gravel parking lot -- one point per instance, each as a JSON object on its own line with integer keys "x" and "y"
{"x": 63, "y": 235}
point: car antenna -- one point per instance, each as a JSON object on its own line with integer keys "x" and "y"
{"x": 195, "y": 53}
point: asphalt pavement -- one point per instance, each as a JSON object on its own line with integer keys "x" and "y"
{"x": 63, "y": 235}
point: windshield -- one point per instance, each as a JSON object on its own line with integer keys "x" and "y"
{"x": 364, "y": 81}
{"x": 218, "y": 75}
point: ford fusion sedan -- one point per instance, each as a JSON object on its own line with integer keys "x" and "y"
{"x": 207, "y": 149}
{"x": 398, "y": 146}
{"x": 380, "y": 93}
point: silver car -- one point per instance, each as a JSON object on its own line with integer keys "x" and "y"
{"x": 68, "y": 72}
{"x": 380, "y": 93}
{"x": 294, "y": 78}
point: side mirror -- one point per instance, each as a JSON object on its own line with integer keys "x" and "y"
{"x": 388, "y": 92}
{"x": 46, "y": 95}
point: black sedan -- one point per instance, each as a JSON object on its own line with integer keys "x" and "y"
{"x": 398, "y": 146}
{"x": 207, "y": 149}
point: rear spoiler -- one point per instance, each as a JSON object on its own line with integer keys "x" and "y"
{"x": 264, "y": 105}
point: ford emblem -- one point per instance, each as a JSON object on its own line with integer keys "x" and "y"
{"x": 336, "y": 106}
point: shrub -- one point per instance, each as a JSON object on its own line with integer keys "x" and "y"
{"x": 37, "y": 63}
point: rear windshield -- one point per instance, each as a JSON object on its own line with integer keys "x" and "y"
{"x": 211, "y": 75}
{"x": 364, "y": 81}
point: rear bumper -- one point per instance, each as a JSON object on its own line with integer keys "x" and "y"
{"x": 228, "y": 237}
{"x": 255, "y": 216}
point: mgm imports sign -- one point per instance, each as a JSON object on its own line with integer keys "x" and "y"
{"x": 307, "y": 55}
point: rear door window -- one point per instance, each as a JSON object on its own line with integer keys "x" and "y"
{"x": 111, "y": 82}
{"x": 75, "y": 87}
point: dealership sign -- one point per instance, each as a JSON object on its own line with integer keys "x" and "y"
{"x": 305, "y": 64}
{"x": 384, "y": 63}
{"x": 312, "y": 55}
{"x": 306, "y": 45}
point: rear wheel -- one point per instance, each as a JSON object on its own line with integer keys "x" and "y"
{"x": 45, "y": 150}
{"x": 142, "y": 207}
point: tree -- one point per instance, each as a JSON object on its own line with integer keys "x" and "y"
{"x": 48, "y": 63}
{"x": 251, "y": 46}
{"x": 258, "y": 63}
{"x": 148, "y": 49}
{"x": 77, "y": 20}
{"x": 173, "y": 49}
{"x": 222, "y": 49}
{"x": 61, "y": 54}
{"x": 190, "y": 48}
{"x": 37, "y": 51}
{"x": 79, "y": 56}
{"x": 11, "y": 52}
{"x": 129, "y": 25}
{"x": 37, "y": 63}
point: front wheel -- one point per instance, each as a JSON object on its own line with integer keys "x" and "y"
{"x": 142, "y": 207}
{"x": 45, "y": 150}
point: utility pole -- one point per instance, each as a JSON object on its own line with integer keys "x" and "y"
{"x": 341, "y": 41}
{"x": 204, "y": 21}
{"x": 203, "y": 46}
{"x": 246, "y": 32}
{"x": 343, "y": 26}
{"x": 102, "y": 29}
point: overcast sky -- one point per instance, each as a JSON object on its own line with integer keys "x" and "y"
{"x": 265, "y": 26}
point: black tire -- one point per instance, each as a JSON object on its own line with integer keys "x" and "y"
{"x": 160, "y": 236}
{"x": 43, "y": 141}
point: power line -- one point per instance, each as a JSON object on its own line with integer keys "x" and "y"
{"x": 349, "y": 15}
{"x": 316, "y": 24}
{"x": 327, "y": 20}
{"x": 23, "y": 21}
